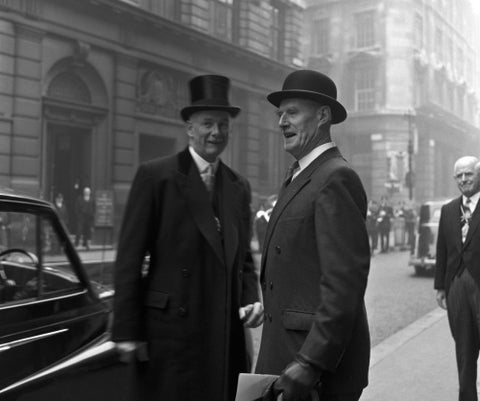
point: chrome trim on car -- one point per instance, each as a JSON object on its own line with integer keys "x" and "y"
{"x": 43, "y": 300}
{"x": 26, "y": 340}
{"x": 102, "y": 349}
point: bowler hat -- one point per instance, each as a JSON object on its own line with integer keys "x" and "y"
{"x": 209, "y": 92}
{"x": 313, "y": 85}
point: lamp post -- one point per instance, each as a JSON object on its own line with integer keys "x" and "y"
{"x": 409, "y": 177}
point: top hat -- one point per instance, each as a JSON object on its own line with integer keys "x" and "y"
{"x": 313, "y": 85}
{"x": 209, "y": 92}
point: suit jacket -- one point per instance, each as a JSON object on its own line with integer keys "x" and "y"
{"x": 314, "y": 274}
{"x": 452, "y": 255}
{"x": 185, "y": 306}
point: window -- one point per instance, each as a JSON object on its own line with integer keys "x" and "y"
{"x": 449, "y": 51}
{"x": 439, "y": 89}
{"x": 365, "y": 29}
{"x": 165, "y": 8}
{"x": 418, "y": 31}
{"x": 221, "y": 15}
{"x": 321, "y": 36}
{"x": 439, "y": 45}
{"x": 151, "y": 147}
{"x": 364, "y": 89}
{"x": 275, "y": 32}
{"x": 460, "y": 62}
{"x": 34, "y": 262}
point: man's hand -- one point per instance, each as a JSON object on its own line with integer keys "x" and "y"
{"x": 441, "y": 299}
{"x": 251, "y": 315}
{"x": 297, "y": 381}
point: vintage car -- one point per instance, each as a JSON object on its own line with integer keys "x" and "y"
{"x": 54, "y": 320}
{"x": 423, "y": 254}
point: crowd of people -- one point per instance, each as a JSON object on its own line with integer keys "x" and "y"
{"x": 384, "y": 222}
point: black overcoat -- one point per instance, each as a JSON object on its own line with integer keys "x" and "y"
{"x": 186, "y": 305}
{"x": 452, "y": 255}
{"x": 314, "y": 274}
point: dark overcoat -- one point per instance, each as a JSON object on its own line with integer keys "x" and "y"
{"x": 186, "y": 305}
{"x": 314, "y": 275}
{"x": 452, "y": 255}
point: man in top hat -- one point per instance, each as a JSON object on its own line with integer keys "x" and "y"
{"x": 191, "y": 214}
{"x": 316, "y": 255}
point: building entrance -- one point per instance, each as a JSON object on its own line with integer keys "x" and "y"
{"x": 69, "y": 165}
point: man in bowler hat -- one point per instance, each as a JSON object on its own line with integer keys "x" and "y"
{"x": 191, "y": 214}
{"x": 316, "y": 255}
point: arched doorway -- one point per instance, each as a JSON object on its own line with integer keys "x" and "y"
{"x": 71, "y": 133}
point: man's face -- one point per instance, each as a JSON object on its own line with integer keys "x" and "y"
{"x": 467, "y": 178}
{"x": 299, "y": 120}
{"x": 208, "y": 133}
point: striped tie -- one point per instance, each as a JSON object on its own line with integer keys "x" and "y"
{"x": 465, "y": 219}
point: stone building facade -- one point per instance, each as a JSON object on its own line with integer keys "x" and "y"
{"x": 408, "y": 74}
{"x": 89, "y": 89}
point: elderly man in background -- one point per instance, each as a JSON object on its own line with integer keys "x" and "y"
{"x": 457, "y": 272}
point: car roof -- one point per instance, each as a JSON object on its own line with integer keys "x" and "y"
{"x": 8, "y": 194}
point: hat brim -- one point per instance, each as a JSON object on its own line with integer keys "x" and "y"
{"x": 339, "y": 113}
{"x": 186, "y": 112}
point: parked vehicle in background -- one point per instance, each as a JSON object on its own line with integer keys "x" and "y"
{"x": 423, "y": 254}
{"x": 54, "y": 320}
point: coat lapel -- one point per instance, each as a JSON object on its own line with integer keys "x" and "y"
{"x": 288, "y": 193}
{"x": 230, "y": 193}
{"x": 191, "y": 186}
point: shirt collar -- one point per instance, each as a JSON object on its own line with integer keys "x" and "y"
{"x": 201, "y": 163}
{"x": 305, "y": 161}
{"x": 474, "y": 200}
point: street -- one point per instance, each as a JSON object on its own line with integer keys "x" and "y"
{"x": 395, "y": 296}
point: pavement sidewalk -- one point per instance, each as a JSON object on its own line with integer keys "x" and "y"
{"x": 415, "y": 364}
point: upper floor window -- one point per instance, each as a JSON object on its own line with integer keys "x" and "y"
{"x": 165, "y": 8}
{"x": 276, "y": 16}
{"x": 449, "y": 51}
{"x": 221, "y": 16}
{"x": 321, "y": 36}
{"x": 364, "y": 88}
{"x": 418, "y": 31}
{"x": 365, "y": 29}
{"x": 439, "y": 44}
{"x": 460, "y": 61}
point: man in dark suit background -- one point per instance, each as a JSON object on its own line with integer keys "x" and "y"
{"x": 191, "y": 214}
{"x": 316, "y": 256}
{"x": 457, "y": 272}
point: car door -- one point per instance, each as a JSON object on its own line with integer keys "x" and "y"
{"x": 47, "y": 308}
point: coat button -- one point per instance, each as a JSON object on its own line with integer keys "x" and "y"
{"x": 185, "y": 273}
{"x": 271, "y": 285}
{"x": 269, "y": 317}
{"x": 182, "y": 311}
{"x": 278, "y": 249}
{"x": 264, "y": 285}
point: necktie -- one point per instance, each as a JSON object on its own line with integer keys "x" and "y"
{"x": 208, "y": 177}
{"x": 291, "y": 172}
{"x": 466, "y": 216}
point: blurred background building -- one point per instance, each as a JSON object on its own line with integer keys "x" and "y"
{"x": 408, "y": 74}
{"x": 90, "y": 89}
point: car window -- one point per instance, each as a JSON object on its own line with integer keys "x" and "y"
{"x": 33, "y": 258}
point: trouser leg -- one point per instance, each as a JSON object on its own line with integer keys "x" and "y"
{"x": 463, "y": 304}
